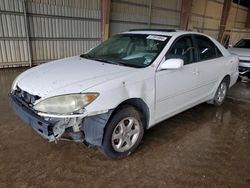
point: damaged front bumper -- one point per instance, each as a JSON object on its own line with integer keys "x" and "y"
{"x": 49, "y": 126}
{"x": 76, "y": 127}
{"x": 39, "y": 124}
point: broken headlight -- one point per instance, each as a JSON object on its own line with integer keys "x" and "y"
{"x": 65, "y": 104}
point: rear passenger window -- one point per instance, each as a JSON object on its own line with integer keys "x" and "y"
{"x": 206, "y": 48}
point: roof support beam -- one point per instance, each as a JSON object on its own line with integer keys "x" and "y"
{"x": 224, "y": 17}
{"x": 185, "y": 13}
{"x": 248, "y": 17}
{"x": 105, "y": 9}
{"x": 27, "y": 29}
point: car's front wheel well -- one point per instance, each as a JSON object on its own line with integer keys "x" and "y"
{"x": 227, "y": 78}
{"x": 139, "y": 105}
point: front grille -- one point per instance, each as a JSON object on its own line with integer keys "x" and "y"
{"x": 25, "y": 96}
{"x": 244, "y": 61}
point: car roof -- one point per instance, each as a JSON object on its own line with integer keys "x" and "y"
{"x": 166, "y": 32}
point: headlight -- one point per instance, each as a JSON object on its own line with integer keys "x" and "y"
{"x": 65, "y": 104}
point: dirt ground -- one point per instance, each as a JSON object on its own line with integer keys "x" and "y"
{"x": 206, "y": 146}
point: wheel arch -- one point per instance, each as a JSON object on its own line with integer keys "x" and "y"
{"x": 139, "y": 105}
{"x": 94, "y": 126}
{"x": 227, "y": 78}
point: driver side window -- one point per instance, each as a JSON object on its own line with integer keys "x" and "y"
{"x": 183, "y": 49}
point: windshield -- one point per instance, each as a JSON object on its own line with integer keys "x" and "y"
{"x": 244, "y": 43}
{"x": 135, "y": 50}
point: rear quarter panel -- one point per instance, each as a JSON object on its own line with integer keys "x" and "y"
{"x": 231, "y": 64}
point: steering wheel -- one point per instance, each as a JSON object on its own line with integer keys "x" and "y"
{"x": 187, "y": 50}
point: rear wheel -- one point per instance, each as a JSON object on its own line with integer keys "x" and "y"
{"x": 221, "y": 93}
{"x": 123, "y": 133}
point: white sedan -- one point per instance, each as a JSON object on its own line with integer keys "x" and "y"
{"x": 134, "y": 80}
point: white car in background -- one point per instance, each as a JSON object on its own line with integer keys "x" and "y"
{"x": 242, "y": 49}
{"x": 129, "y": 83}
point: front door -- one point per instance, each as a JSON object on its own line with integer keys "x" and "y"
{"x": 176, "y": 89}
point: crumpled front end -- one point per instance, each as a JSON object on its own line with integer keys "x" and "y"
{"x": 74, "y": 127}
{"x": 39, "y": 124}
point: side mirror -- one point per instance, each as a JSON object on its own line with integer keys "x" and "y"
{"x": 172, "y": 64}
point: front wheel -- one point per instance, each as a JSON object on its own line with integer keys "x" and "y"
{"x": 123, "y": 133}
{"x": 221, "y": 93}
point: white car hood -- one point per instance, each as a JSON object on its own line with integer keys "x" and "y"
{"x": 242, "y": 52}
{"x": 70, "y": 75}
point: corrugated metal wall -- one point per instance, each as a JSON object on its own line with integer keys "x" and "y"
{"x": 235, "y": 27}
{"x": 166, "y": 14}
{"x": 128, "y": 14}
{"x": 237, "y": 17}
{"x": 13, "y": 40}
{"x": 205, "y": 16}
{"x": 237, "y": 34}
{"x": 55, "y": 29}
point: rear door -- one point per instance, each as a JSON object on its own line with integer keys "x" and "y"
{"x": 211, "y": 64}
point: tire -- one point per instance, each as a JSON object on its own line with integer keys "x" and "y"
{"x": 123, "y": 133}
{"x": 221, "y": 93}
{"x": 239, "y": 79}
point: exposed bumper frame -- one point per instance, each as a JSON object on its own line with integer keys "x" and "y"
{"x": 39, "y": 124}
{"x": 92, "y": 126}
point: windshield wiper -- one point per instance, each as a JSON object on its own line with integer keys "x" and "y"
{"x": 87, "y": 56}
{"x": 131, "y": 65}
{"x": 117, "y": 62}
{"x": 105, "y": 60}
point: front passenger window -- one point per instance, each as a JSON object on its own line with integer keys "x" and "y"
{"x": 182, "y": 49}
